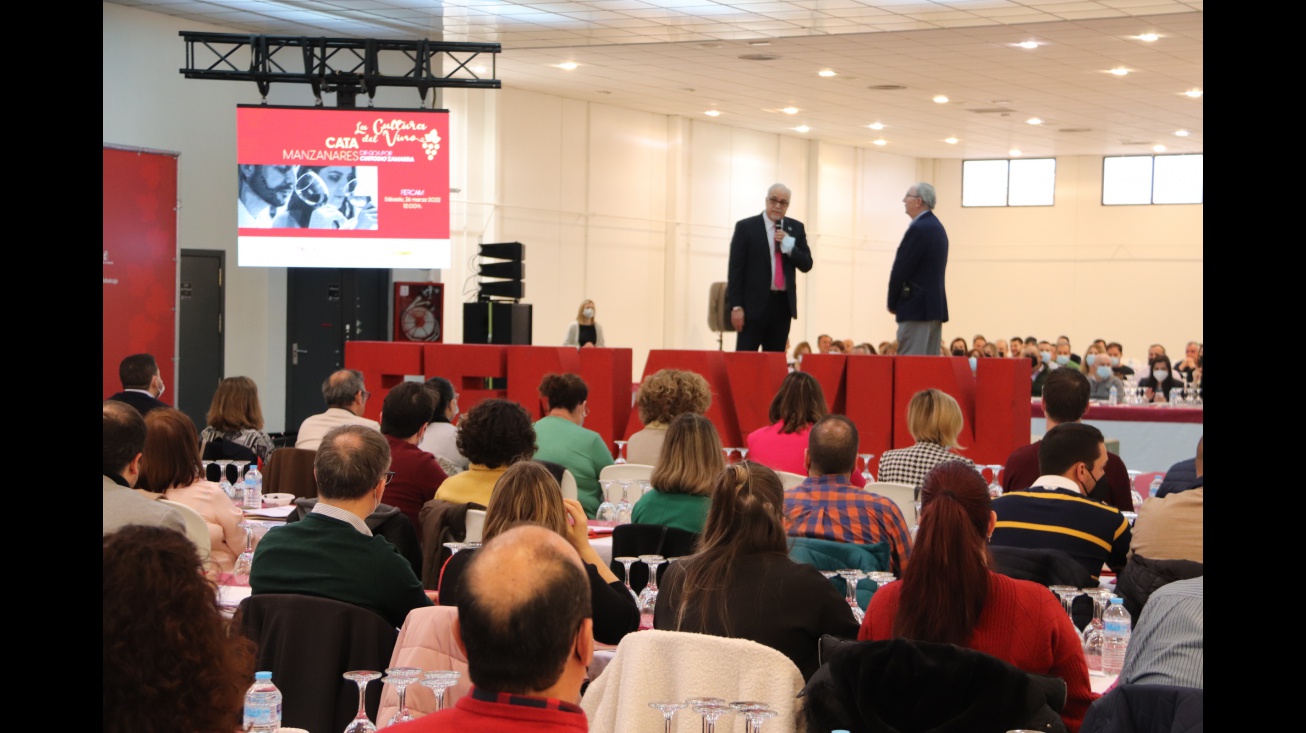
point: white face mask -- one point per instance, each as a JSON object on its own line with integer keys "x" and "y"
{"x": 1160, "y": 374}
{"x": 161, "y": 387}
{"x": 588, "y": 312}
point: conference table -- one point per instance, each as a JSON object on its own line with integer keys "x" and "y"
{"x": 1152, "y": 437}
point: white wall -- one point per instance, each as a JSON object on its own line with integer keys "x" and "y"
{"x": 635, "y": 210}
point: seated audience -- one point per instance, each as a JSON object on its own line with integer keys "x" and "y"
{"x": 683, "y": 476}
{"x": 524, "y": 622}
{"x": 823, "y": 343}
{"x": 741, "y": 583}
{"x": 1102, "y": 379}
{"x": 802, "y": 349}
{"x": 1170, "y": 527}
{"x": 979, "y": 342}
{"x": 1065, "y": 400}
{"x": 171, "y": 661}
{"x": 949, "y": 595}
{"x": 441, "y": 437}
{"x": 1000, "y": 347}
{"x": 958, "y": 347}
{"x": 1154, "y": 351}
{"x": 1118, "y": 366}
{"x": 417, "y": 476}
{"x": 837, "y": 347}
{"x": 170, "y": 467}
{"x": 528, "y": 494}
{"x": 1038, "y": 370}
{"x": 345, "y": 397}
{"x": 889, "y": 348}
{"x": 662, "y": 397}
{"x": 1055, "y": 511}
{"x": 1159, "y": 380}
{"x": 1064, "y": 357}
{"x": 1190, "y": 363}
{"x": 563, "y": 439}
{"x": 142, "y": 383}
{"x": 123, "y": 434}
{"x": 493, "y": 435}
{"x": 864, "y": 348}
{"x": 1017, "y": 346}
{"x": 796, "y": 407}
{"x": 827, "y": 506}
{"x": 1166, "y": 645}
{"x": 331, "y": 552}
{"x": 934, "y": 421}
{"x": 235, "y": 417}
{"x": 1182, "y": 476}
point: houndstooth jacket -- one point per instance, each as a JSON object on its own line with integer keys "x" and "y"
{"x": 909, "y": 465}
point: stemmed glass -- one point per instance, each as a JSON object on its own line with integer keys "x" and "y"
{"x": 439, "y": 681}
{"x": 995, "y": 486}
{"x": 644, "y": 486}
{"x": 361, "y": 723}
{"x": 755, "y": 713}
{"x": 668, "y": 710}
{"x": 1067, "y": 595}
{"x": 624, "y": 506}
{"x": 223, "y": 482}
{"x": 1095, "y": 631}
{"x": 207, "y": 465}
{"x": 627, "y": 562}
{"x": 239, "y": 486}
{"x": 607, "y": 510}
{"x": 648, "y": 597}
{"x": 621, "y": 450}
{"x": 245, "y": 561}
{"x": 743, "y": 454}
{"x": 850, "y": 577}
{"x": 710, "y": 708}
{"x": 454, "y": 547}
{"x": 1134, "y": 496}
{"x": 401, "y": 678}
{"x": 866, "y": 467}
{"x": 728, "y": 452}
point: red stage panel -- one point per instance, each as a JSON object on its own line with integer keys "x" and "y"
{"x": 467, "y": 366}
{"x": 869, "y": 403}
{"x": 950, "y": 374}
{"x": 1001, "y": 409}
{"x": 755, "y": 377}
{"x": 710, "y": 364}
{"x": 607, "y": 374}
{"x": 527, "y": 365}
{"x": 384, "y": 365}
{"x": 828, "y": 369}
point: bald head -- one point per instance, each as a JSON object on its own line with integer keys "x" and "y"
{"x": 123, "y": 433}
{"x": 832, "y": 446}
{"x": 342, "y": 388}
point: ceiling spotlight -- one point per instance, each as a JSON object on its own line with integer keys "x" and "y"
{"x": 802, "y": 128}
{"x": 1148, "y": 37}
{"x": 712, "y": 113}
{"x": 1034, "y": 121}
{"x": 880, "y": 142}
{"x": 825, "y": 72}
{"x": 876, "y": 125}
{"x": 759, "y": 43}
{"x": 568, "y": 65}
{"x": 1028, "y": 44}
{"x": 1194, "y": 93}
{"x": 950, "y": 140}
{"x": 1120, "y": 71}
{"x": 1014, "y": 152}
{"x": 940, "y": 99}
{"x": 1181, "y": 133}
{"x": 1158, "y": 148}
{"x": 478, "y": 69}
{"x": 790, "y": 110}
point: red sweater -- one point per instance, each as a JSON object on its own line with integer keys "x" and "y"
{"x": 473, "y": 715}
{"x": 1022, "y": 624}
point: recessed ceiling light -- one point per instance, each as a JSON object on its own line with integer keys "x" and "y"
{"x": 712, "y": 113}
{"x": 825, "y": 72}
{"x": 802, "y": 128}
{"x": 1181, "y": 133}
{"x": 1120, "y": 71}
{"x": 1014, "y": 152}
{"x": 886, "y": 87}
{"x": 950, "y": 140}
{"x": 568, "y": 65}
{"x": 759, "y": 43}
{"x": 940, "y": 99}
{"x": 880, "y": 141}
{"x": 1194, "y": 93}
{"x": 603, "y": 91}
{"x": 790, "y": 110}
{"x": 1028, "y": 44}
{"x": 1034, "y": 121}
{"x": 1158, "y": 148}
{"x": 876, "y": 125}
{"x": 709, "y": 45}
{"x": 1148, "y": 37}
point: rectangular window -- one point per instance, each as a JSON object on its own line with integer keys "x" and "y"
{"x": 1152, "y": 179}
{"x": 1008, "y": 182}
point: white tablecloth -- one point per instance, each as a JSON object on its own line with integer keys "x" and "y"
{"x": 603, "y": 546}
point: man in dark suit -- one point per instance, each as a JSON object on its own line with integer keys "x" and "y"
{"x": 765, "y": 254}
{"x": 916, "y": 293}
{"x": 142, "y": 385}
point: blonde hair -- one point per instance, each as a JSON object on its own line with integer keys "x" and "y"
{"x": 525, "y": 493}
{"x": 668, "y": 393}
{"x": 1092, "y": 350}
{"x": 691, "y": 460}
{"x": 580, "y": 312}
{"x": 934, "y": 416}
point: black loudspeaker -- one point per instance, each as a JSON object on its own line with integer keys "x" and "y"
{"x": 504, "y": 251}
{"x": 489, "y": 322}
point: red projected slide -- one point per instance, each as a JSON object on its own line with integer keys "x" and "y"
{"x": 321, "y": 187}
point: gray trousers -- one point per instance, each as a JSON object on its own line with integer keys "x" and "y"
{"x": 920, "y": 338}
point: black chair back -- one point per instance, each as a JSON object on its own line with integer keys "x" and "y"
{"x": 633, "y": 540}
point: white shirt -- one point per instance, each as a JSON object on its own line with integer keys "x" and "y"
{"x": 343, "y": 515}
{"x": 316, "y": 427}
{"x": 245, "y": 219}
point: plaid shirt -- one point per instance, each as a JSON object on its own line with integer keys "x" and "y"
{"x": 831, "y": 508}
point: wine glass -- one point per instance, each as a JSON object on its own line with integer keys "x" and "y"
{"x": 400, "y": 678}
{"x": 1067, "y": 595}
{"x": 648, "y": 597}
{"x": 607, "y": 510}
{"x": 361, "y": 723}
{"x": 207, "y": 465}
{"x": 627, "y": 562}
{"x": 850, "y": 577}
{"x": 710, "y": 708}
{"x": 624, "y": 506}
{"x": 621, "y": 450}
{"x": 312, "y": 190}
{"x": 224, "y": 482}
{"x": 995, "y": 486}
{"x": 668, "y": 710}
{"x": 755, "y": 713}
{"x": 245, "y": 561}
{"x": 866, "y": 467}
{"x": 439, "y": 681}
{"x": 728, "y": 452}
{"x": 645, "y": 486}
{"x": 1095, "y": 632}
{"x": 743, "y": 454}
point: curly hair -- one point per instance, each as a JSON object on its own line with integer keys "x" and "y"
{"x": 668, "y": 393}
{"x": 563, "y": 390}
{"x": 171, "y": 661}
{"x": 496, "y": 433}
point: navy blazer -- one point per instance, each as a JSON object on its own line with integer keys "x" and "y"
{"x": 141, "y": 401}
{"x": 916, "y": 290}
{"x": 749, "y": 275}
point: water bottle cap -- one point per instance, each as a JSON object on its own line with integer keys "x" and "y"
{"x": 1116, "y": 600}
{"x": 262, "y": 675}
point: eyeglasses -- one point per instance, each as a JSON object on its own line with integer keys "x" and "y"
{"x": 776, "y": 201}
{"x": 911, "y": 196}
{"x": 389, "y": 476}
{"x": 367, "y": 395}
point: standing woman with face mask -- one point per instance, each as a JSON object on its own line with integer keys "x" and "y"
{"x": 584, "y": 331}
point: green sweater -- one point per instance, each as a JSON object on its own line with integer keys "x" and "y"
{"x": 682, "y": 511}
{"x": 326, "y": 557}
{"x": 578, "y": 449}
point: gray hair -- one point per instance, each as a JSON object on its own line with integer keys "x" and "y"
{"x": 926, "y": 192}
{"x": 350, "y": 461}
{"x": 339, "y": 389}
{"x": 779, "y": 187}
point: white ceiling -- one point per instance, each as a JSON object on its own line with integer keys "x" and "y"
{"x": 681, "y": 57}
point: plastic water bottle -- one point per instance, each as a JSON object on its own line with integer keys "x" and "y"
{"x": 1116, "y": 621}
{"x": 1156, "y": 485}
{"x": 253, "y": 487}
{"x": 1113, "y": 397}
{"x": 263, "y": 705}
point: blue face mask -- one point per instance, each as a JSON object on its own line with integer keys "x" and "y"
{"x": 974, "y": 363}
{"x": 1062, "y": 359}
{"x": 1103, "y": 372}
{"x": 1046, "y": 356}
{"x": 1115, "y": 361}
